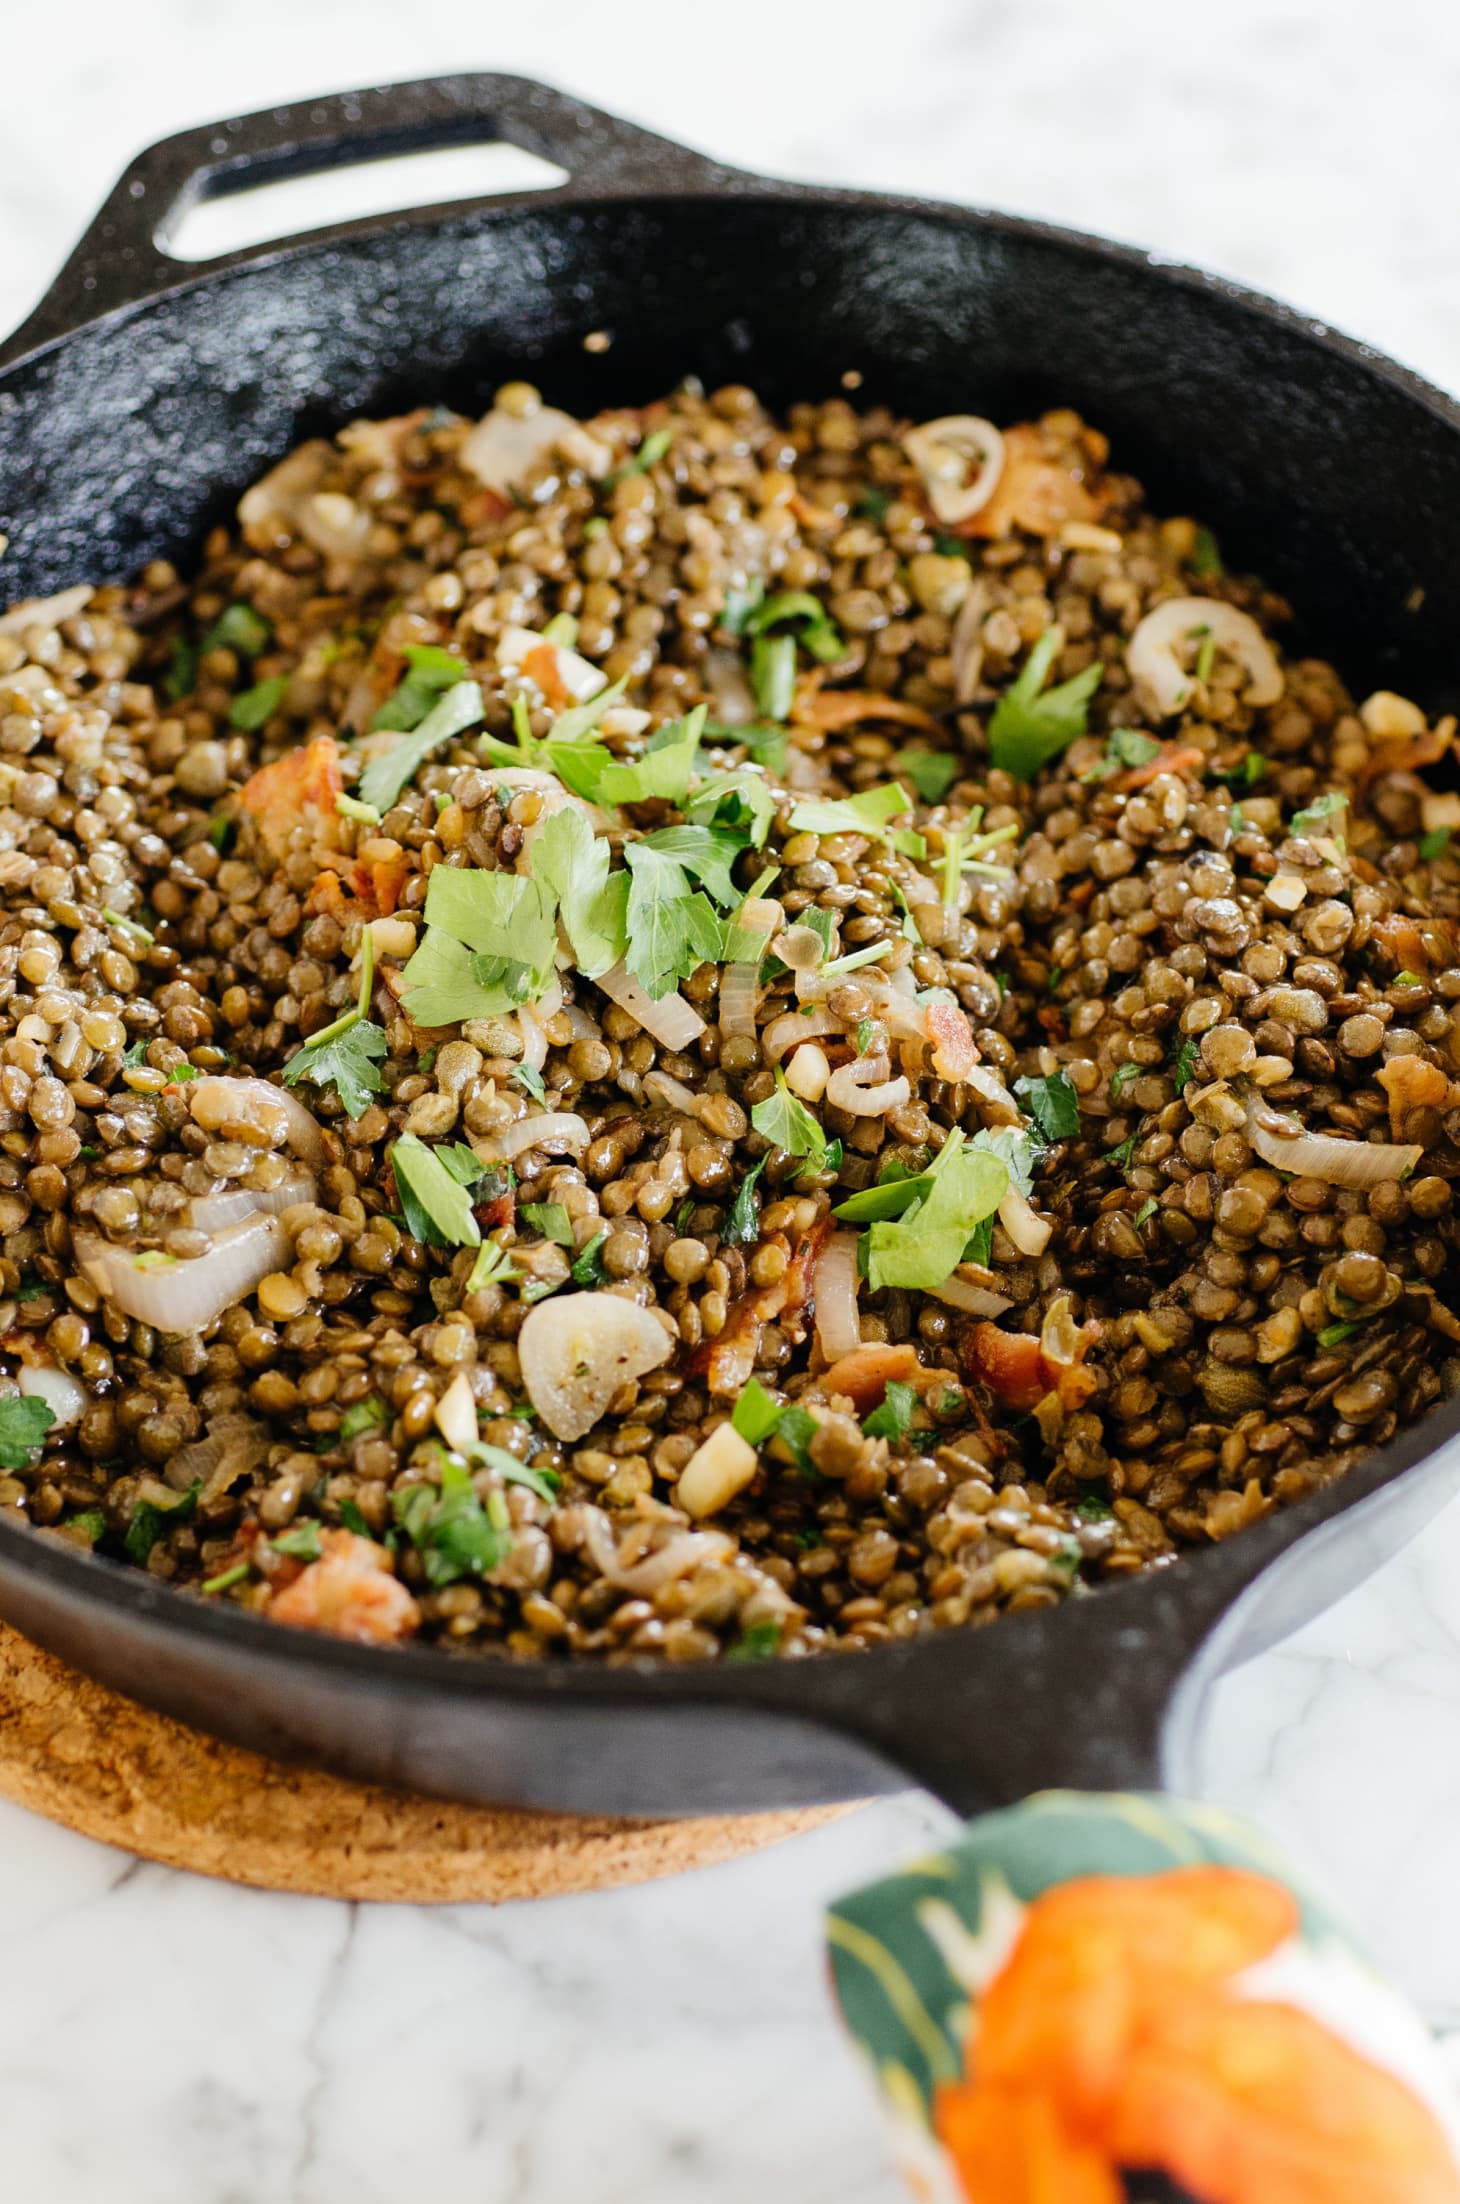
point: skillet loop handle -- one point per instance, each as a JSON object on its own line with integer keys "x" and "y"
{"x": 123, "y": 256}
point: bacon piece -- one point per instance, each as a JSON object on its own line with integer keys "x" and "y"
{"x": 349, "y": 1592}
{"x": 865, "y": 1375}
{"x": 1033, "y": 492}
{"x": 297, "y": 790}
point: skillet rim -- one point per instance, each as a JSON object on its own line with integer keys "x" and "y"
{"x": 1218, "y": 1577}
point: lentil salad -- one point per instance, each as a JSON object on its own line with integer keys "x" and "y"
{"x": 699, "y": 1036}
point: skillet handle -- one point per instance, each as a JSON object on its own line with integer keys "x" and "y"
{"x": 123, "y": 257}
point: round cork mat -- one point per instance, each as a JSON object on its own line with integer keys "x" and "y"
{"x": 81, "y": 1755}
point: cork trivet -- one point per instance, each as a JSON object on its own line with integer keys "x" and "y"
{"x": 79, "y": 1754}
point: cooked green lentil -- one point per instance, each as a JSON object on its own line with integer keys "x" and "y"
{"x": 1129, "y": 982}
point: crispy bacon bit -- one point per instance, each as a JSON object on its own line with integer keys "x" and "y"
{"x": 814, "y": 516}
{"x": 1021, "y": 1371}
{"x": 297, "y": 790}
{"x": 833, "y": 710}
{"x": 865, "y": 1375}
{"x": 1407, "y": 753}
{"x": 1412, "y": 1083}
{"x": 1172, "y": 757}
{"x": 727, "y": 1362}
{"x": 1034, "y": 492}
{"x": 951, "y": 1036}
{"x": 349, "y": 1592}
{"x": 378, "y": 885}
{"x": 483, "y": 507}
{"x": 541, "y": 666}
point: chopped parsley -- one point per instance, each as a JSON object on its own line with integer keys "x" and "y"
{"x": 866, "y": 1034}
{"x": 1028, "y": 727}
{"x": 1122, "y": 1077}
{"x": 363, "y": 1416}
{"x": 301, "y": 1543}
{"x": 353, "y": 1520}
{"x": 1094, "y": 1508}
{"x": 1434, "y": 844}
{"x": 350, "y": 807}
{"x": 741, "y": 1227}
{"x": 349, "y": 1062}
{"x": 383, "y": 779}
{"x": 1331, "y": 805}
{"x": 551, "y": 1219}
{"x": 867, "y": 814}
{"x": 784, "y": 1120}
{"x": 570, "y": 862}
{"x": 662, "y": 774}
{"x": 1147, "y": 1209}
{"x": 755, "y": 1415}
{"x": 672, "y": 928}
{"x": 493, "y": 1267}
{"x": 805, "y": 616}
{"x": 436, "y": 1204}
{"x": 588, "y": 1270}
{"x": 962, "y": 1186}
{"x": 150, "y": 1519}
{"x": 490, "y": 944}
{"x": 431, "y": 672}
{"x": 894, "y": 1419}
{"x": 706, "y": 853}
{"x": 450, "y": 1528}
{"x": 759, "y": 1641}
{"x": 237, "y": 628}
{"x": 1206, "y": 559}
{"x": 932, "y": 772}
{"x": 1333, "y": 1335}
{"x": 529, "y": 1078}
{"x": 1124, "y": 746}
{"x": 739, "y": 801}
{"x": 254, "y": 708}
{"x": 773, "y": 674}
{"x": 1184, "y": 1063}
{"x": 1052, "y": 1103}
{"x": 24, "y": 1421}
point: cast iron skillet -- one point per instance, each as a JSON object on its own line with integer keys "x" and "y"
{"x": 143, "y": 395}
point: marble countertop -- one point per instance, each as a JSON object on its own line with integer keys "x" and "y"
{"x": 167, "y": 2041}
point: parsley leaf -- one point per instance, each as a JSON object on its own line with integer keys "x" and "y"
{"x": 1123, "y": 746}
{"x": 150, "y": 1519}
{"x": 588, "y": 1270}
{"x": 237, "y": 628}
{"x": 493, "y": 1267}
{"x": 1434, "y": 844}
{"x": 784, "y": 1120}
{"x": 551, "y": 1219}
{"x": 759, "y": 1641}
{"x": 1029, "y": 728}
{"x": 1332, "y": 804}
{"x": 301, "y": 1543}
{"x": 755, "y": 1415}
{"x": 432, "y": 671}
{"x": 662, "y": 773}
{"x": 926, "y": 1245}
{"x": 454, "y": 1534}
{"x": 445, "y": 983}
{"x": 1122, "y": 1077}
{"x": 24, "y": 1422}
{"x": 806, "y": 616}
{"x": 1147, "y": 1209}
{"x": 932, "y": 772}
{"x": 492, "y": 935}
{"x": 353, "y": 1520}
{"x": 362, "y": 1416}
{"x": 1053, "y": 1105}
{"x": 436, "y": 1205}
{"x": 672, "y": 928}
{"x": 385, "y": 776}
{"x": 705, "y": 853}
{"x": 893, "y": 1420}
{"x": 1206, "y": 559}
{"x": 530, "y": 1079}
{"x": 570, "y": 862}
{"x": 740, "y": 800}
{"x": 348, "y": 1062}
{"x": 867, "y": 814}
{"x": 254, "y": 708}
{"x": 741, "y": 1227}
{"x": 1184, "y": 1063}
{"x": 773, "y": 674}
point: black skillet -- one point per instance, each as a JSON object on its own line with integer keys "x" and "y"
{"x": 143, "y": 395}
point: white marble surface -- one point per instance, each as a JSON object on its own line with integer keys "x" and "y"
{"x": 163, "y": 2041}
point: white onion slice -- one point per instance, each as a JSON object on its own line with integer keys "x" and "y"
{"x": 863, "y": 1089}
{"x": 186, "y": 1297}
{"x": 46, "y": 612}
{"x": 960, "y": 458}
{"x": 995, "y": 1096}
{"x": 216, "y": 1212}
{"x": 232, "y": 1446}
{"x": 503, "y": 449}
{"x": 959, "y": 1293}
{"x": 1282, "y": 1142}
{"x": 1026, "y": 1228}
{"x": 553, "y": 1129}
{"x": 834, "y": 1286}
{"x": 671, "y": 1020}
{"x": 740, "y": 981}
{"x": 1160, "y": 679}
{"x": 965, "y": 645}
{"x": 687, "y": 1550}
{"x": 67, "y": 1400}
{"x": 672, "y": 1092}
{"x": 792, "y": 1028}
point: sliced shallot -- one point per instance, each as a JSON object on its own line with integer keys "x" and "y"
{"x": 67, "y": 1400}
{"x": 1025, "y": 1227}
{"x": 1282, "y": 1142}
{"x": 684, "y": 1551}
{"x": 863, "y": 1089}
{"x": 504, "y": 448}
{"x": 740, "y": 981}
{"x": 960, "y": 458}
{"x": 213, "y": 1101}
{"x": 792, "y": 1028}
{"x": 671, "y": 1020}
{"x": 554, "y": 1129}
{"x": 834, "y": 1289}
{"x": 175, "y": 1296}
{"x": 1162, "y": 681}
{"x": 961, "y": 1293}
{"x": 579, "y": 1349}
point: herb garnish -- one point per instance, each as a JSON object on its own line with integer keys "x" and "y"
{"x": 784, "y": 1120}
{"x": 932, "y": 772}
{"x": 254, "y": 708}
{"x": 24, "y": 1421}
{"x": 1052, "y": 1103}
{"x": 866, "y": 814}
{"x": 1184, "y": 1063}
{"x": 433, "y": 1192}
{"x": 385, "y": 776}
{"x": 451, "y": 1530}
{"x": 345, "y": 1054}
{"x": 1028, "y": 727}
{"x": 741, "y": 1227}
{"x": 893, "y": 1420}
{"x": 551, "y": 1219}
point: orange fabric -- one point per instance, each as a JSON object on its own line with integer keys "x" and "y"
{"x": 1112, "y": 2038}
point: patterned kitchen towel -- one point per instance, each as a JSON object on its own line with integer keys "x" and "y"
{"x": 1096, "y": 1999}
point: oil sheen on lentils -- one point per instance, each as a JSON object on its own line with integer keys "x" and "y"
{"x": 700, "y": 1035}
